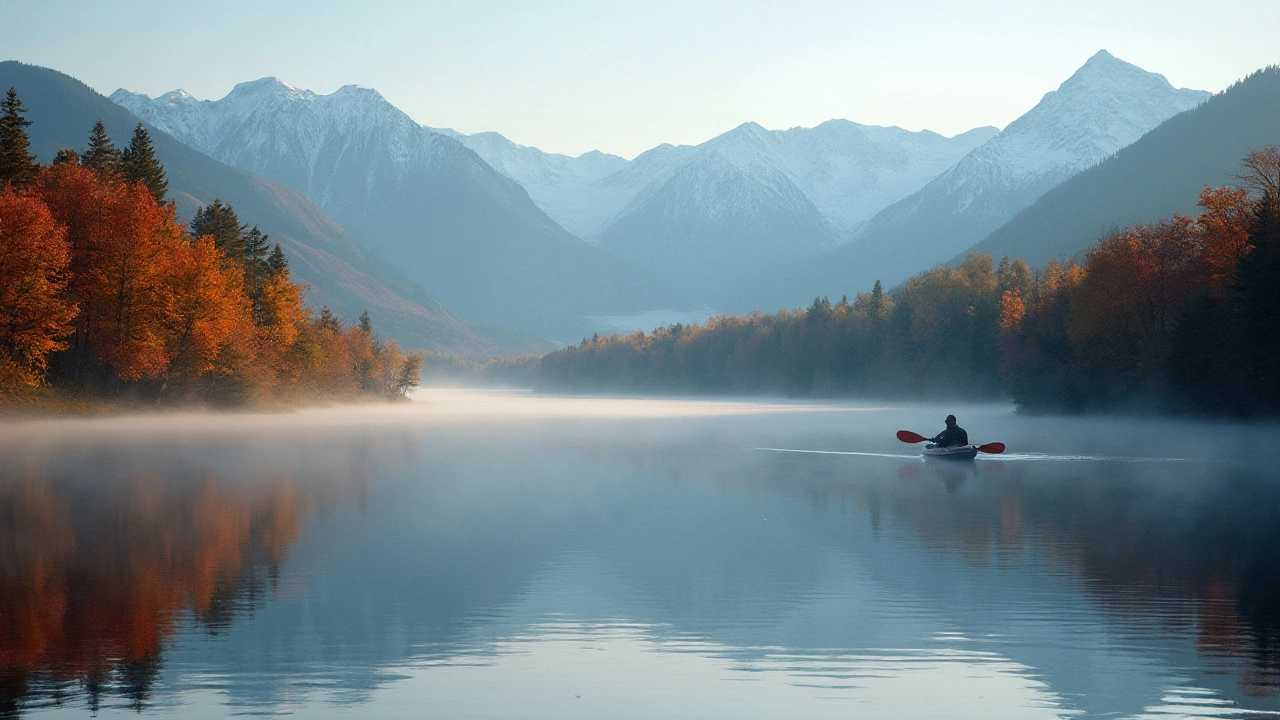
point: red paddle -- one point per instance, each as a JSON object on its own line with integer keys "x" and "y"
{"x": 907, "y": 436}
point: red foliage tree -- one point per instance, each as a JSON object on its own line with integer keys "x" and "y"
{"x": 35, "y": 314}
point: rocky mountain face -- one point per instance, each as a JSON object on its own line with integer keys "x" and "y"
{"x": 1160, "y": 174}
{"x": 744, "y": 200}
{"x": 341, "y": 273}
{"x": 449, "y": 220}
{"x": 753, "y": 218}
{"x": 1106, "y": 105}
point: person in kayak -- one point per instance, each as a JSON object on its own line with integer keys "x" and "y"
{"x": 953, "y": 436}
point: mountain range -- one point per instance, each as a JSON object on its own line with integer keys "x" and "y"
{"x": 753, "y": 218}
{"x": 342, "y": 273}
{"x": 1160, "y": 174}
{"x": 708, "y": 215}
{"x": 762, "y": 219}
{"x": 1104, "y": 106}
{"x": 450, "y": 221}
{"x": 848, "y": 171}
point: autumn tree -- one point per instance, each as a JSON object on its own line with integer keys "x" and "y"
{"x": 17, "y": 165}
{"x": 1226, "y": 215}
{"x": 409, "y": 375}
{"x": 35, "y": 315}
{"x": 207, "y": 325}
{"x": 121, "y": 241}
{"x": 138, "y": 163}
{"x": 1260, "y": 171}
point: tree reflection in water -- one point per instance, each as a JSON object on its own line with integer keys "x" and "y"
{"x": 1106, "y": 584}
{"x": 96, "y": 573}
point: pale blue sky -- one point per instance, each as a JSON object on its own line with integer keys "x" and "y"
{"x": 622, "y": 77}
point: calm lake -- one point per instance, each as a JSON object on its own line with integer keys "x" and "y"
{"x": 504, "y": 555}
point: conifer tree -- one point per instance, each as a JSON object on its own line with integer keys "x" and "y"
{"x": 366, "y": 324}
{"x": 220, "y": 222}
{"x": 255, "y": 247}
{"x": 17, "y": 165}
{"x": 277, "y": 263}
{"x": 256, "y": 270}
{"x": 328, "y": 320}
{"x": 102, "y": 156}
{"x": 66, "y": 156}
{"x": 1257, "y": 291}
{"x": 877, "y": 300}
{"x": 139, "y": 164}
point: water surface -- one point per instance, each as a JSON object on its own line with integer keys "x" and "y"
{"x": 479, "y": 554}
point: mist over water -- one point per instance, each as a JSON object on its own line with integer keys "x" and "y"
{"x": 489, "y": 554}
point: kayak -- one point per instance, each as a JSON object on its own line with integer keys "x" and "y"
{"x": 960, "y": 452}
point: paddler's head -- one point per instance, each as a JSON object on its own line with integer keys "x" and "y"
{"x": 951, "y": 420}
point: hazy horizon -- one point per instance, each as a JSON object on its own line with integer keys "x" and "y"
{"x": 572, "y": 78}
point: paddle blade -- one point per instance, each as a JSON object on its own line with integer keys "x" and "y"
{"x": 993, "y": 448}
{"x": 907, "y": 436}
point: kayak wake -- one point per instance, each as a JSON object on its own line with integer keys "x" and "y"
{"x": 838, "y": 452}
{"x": 1089, "y": 458}
{"x": 1025, "y": 457}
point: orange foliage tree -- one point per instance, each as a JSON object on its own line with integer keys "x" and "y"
{"x": 1134, "y": 283}
{"x": 121, "y": 242}
{"x": 208, "y": 314}
{"x": 35, "y": 315}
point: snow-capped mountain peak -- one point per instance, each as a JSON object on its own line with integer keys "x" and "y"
{"x": 1105, "y": 105}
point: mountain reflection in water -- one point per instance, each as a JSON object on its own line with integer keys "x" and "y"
{"x": 486, "y": 555}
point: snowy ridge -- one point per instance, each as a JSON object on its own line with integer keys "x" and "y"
{"x": 447, "y": 218}
{"x": 1106, "y": 105}
{"x": 848, "y": 171}
{"x": 274, "y": 129}
{"x": 567, "y": 188}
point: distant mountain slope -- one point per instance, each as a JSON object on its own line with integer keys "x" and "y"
{"x": 1106, "y": 105}
{"x": 566, "y": 188}
{"x": 848, "y": 171}
{"x": 343, "y": 275}
{"x": 1159, "y": 175}
{"x": 444, "y": 216}
{"x": 714, "y": 220}
{"x": 752, "y": 198}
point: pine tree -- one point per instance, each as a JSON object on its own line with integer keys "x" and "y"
{"x": 366, "y": 324}
{"x": 220, "y": 222}
{"x": 256, "y": 270}
{"x": 328, "y": 320}
{"x": 277, "y": 262}
{"x": 877, "y": 301}
{"x": 102, "y": 156}
{"x": 1257, "y": 291}
{"x": 66, "y": 156}
{"x": 17, "y": 165}
{"x": 139, "y": 164}
{"x": 255, "y": 248}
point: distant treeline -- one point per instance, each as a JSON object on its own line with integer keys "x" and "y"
{"x": 103, "y": 294}
{"x": 1181, "y": 315}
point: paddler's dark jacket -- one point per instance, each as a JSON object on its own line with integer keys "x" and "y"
{"x": 953, "y": 436}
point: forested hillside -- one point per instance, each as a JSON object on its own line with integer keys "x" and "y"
{"x": 103, "y": 294}
{"x": 1178, "y": 315}
{"x": 342, "y": 274}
